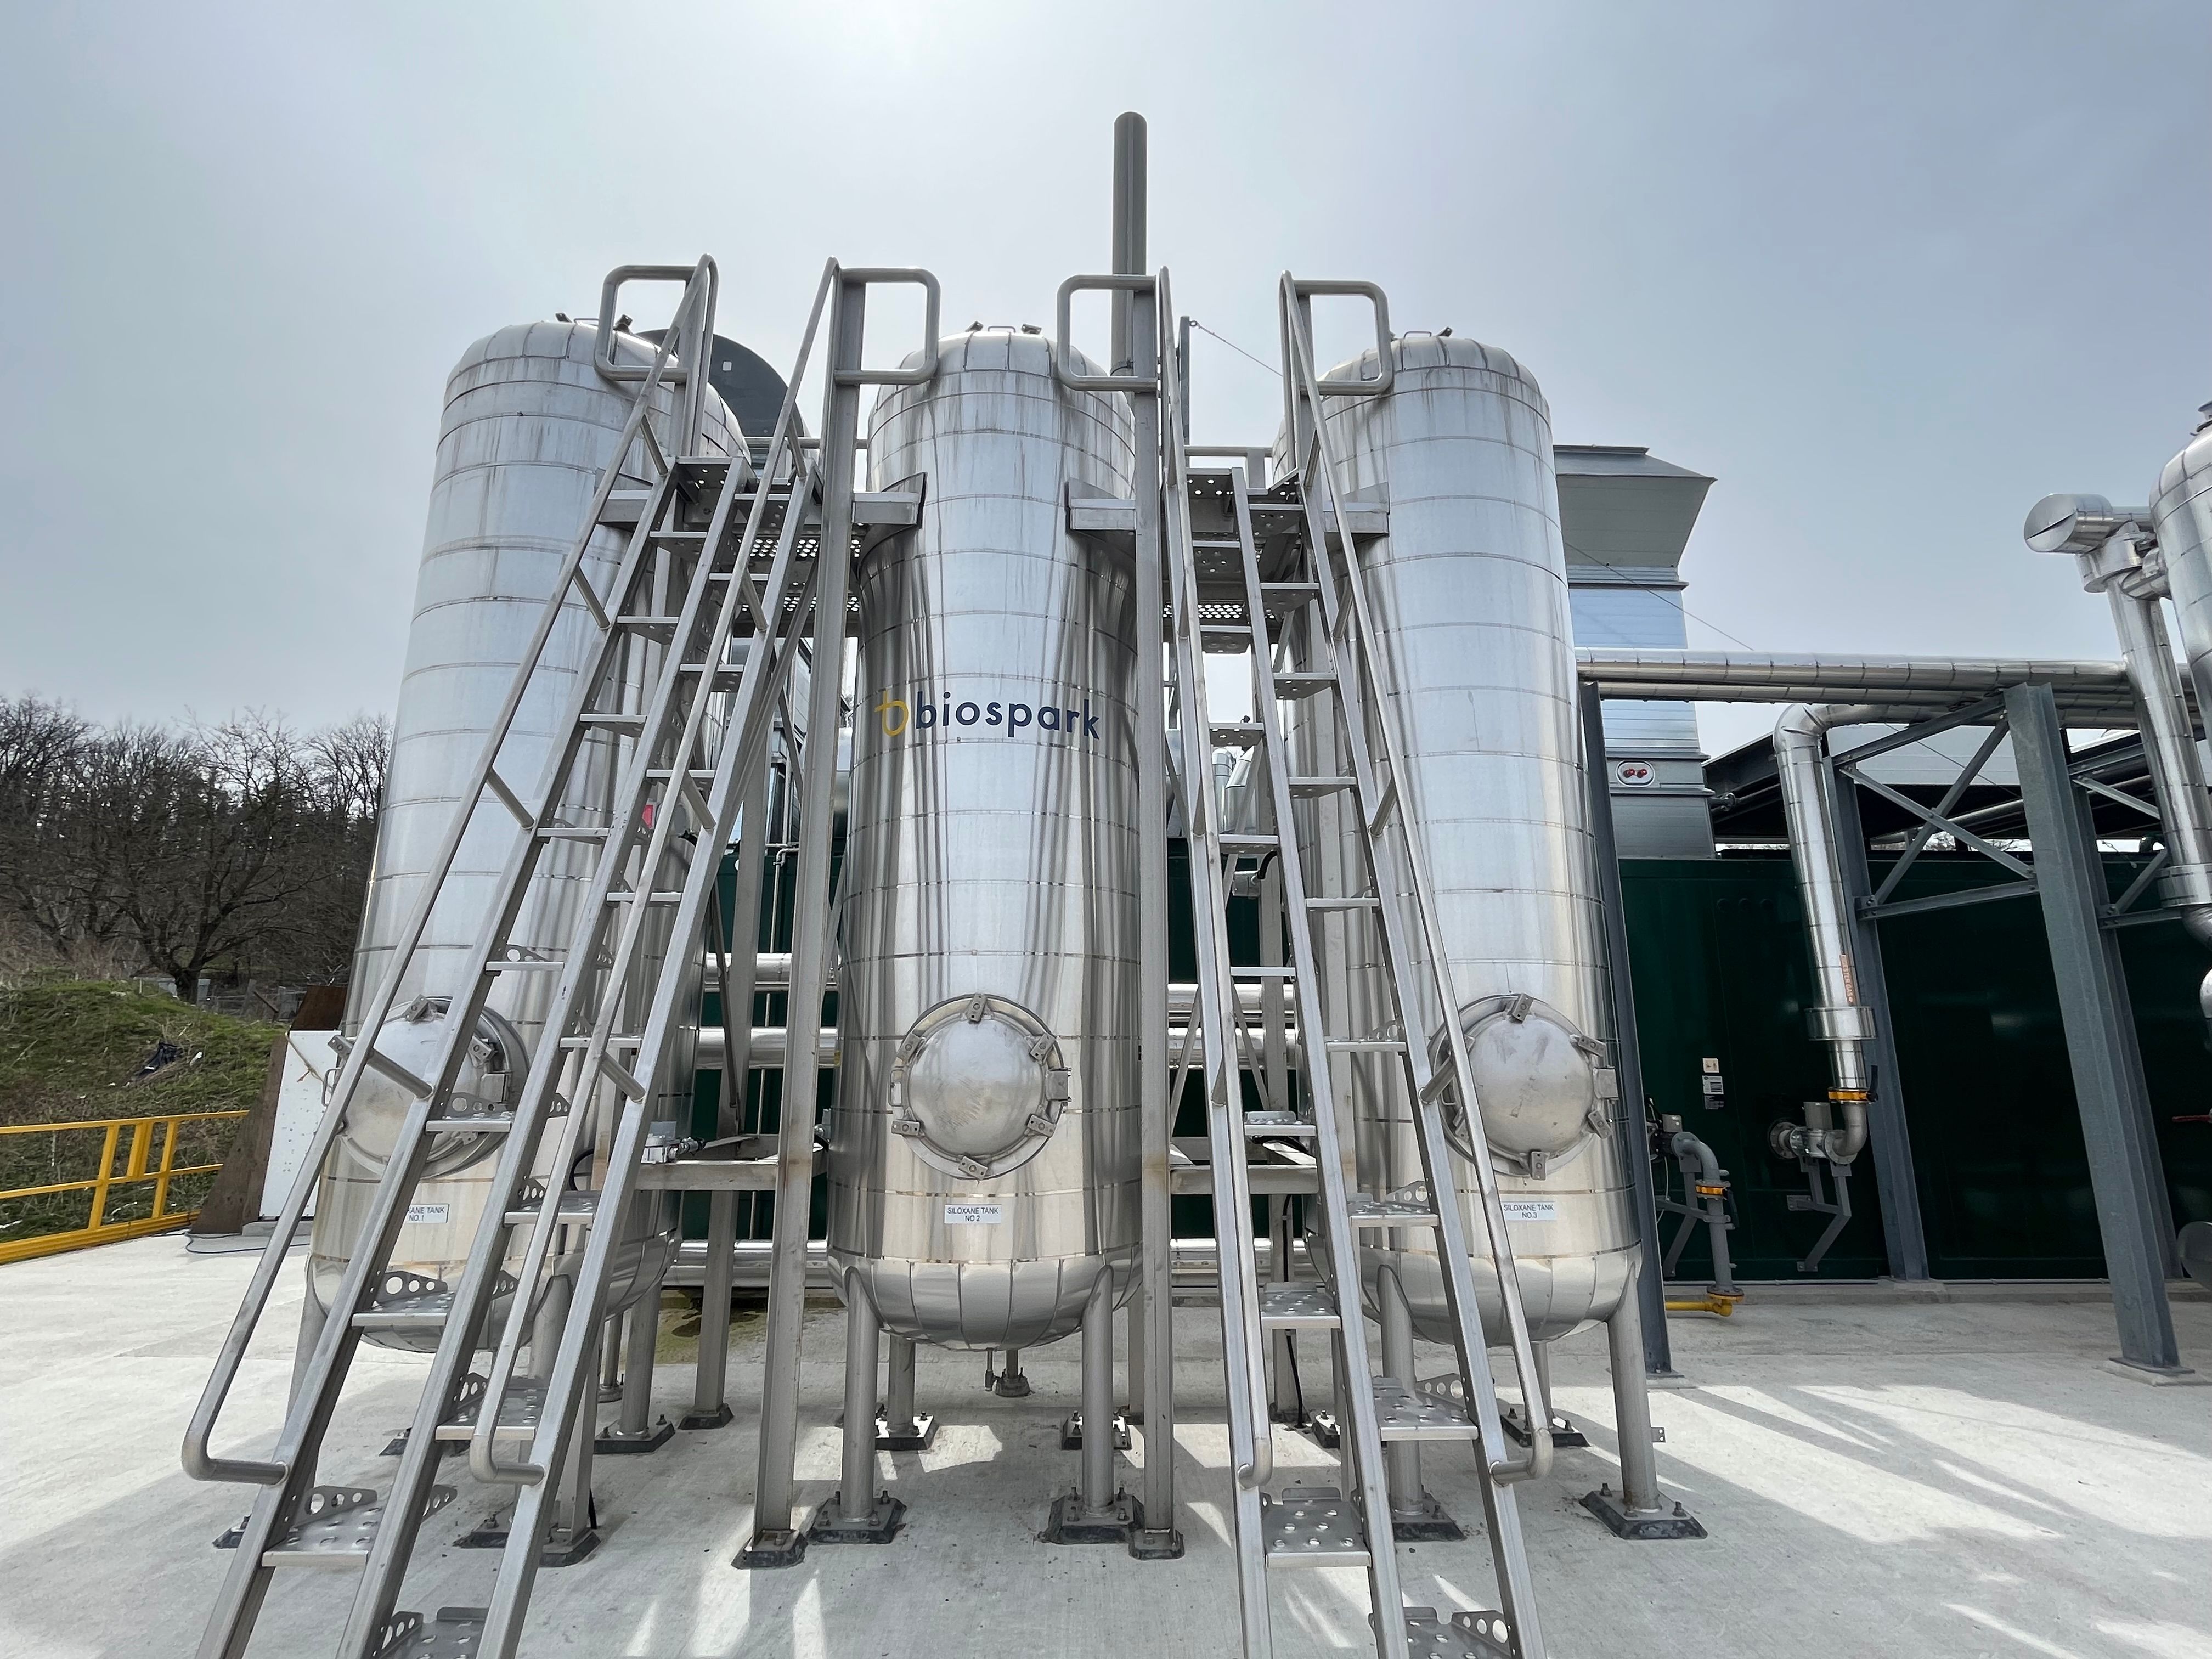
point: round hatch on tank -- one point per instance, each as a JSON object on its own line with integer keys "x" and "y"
{"x": 978, "y": 1086}
{"x": 1536, "y": 1076}
{"x": 411, "y": 1038}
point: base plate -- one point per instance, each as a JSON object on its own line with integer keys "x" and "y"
{"x": 1323, "y": 1427}
{"x": 767, "y": 1550}
{"x": 1155, "y": 1544}
{"x": 1070, "y": 1432}
{"x": 1430, "y": 1523}
{"x": 1642, "y": 1526}
{"x": 490, "y": 1534}
{"x": 613, "y": 1443}
{"x": 919, "y": 1439}
{"x": 1068, "y": 1524}
{"x": 1566, "y": 1437}
{"x": 453, "y": 1634}
{"x": 717, "y": 1419}
{"x": 830, "y": 1526}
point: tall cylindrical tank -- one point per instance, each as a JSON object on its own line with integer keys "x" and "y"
{"x": 984, "y": 1154}
{"x": 529, "y": 426}
{"x": 2181, "y": 513}
{"x": 1469, "y": 590}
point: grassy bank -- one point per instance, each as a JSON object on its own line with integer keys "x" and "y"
{"x": 71, "y": 1049}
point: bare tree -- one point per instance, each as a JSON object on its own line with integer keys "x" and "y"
{"x": 240, "y": 847}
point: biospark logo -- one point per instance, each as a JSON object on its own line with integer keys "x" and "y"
{"x": 940, "y": 711}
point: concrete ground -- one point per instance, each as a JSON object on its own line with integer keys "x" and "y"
{"x": 1881, "y": 1476}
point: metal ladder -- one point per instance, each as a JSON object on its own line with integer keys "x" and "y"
{"x": 680, "y": 780}
{"x": 1291, "y": 1530}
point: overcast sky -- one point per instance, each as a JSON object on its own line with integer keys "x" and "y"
{"x": 1888, "y": 272}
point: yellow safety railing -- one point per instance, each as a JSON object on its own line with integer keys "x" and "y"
{"x": 144, "y": 1148}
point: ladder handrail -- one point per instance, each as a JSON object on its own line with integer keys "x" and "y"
{"x": 1253, "y": 1459}
{"x": 1308, "y": 386}
{"x": 199, "y": 1461}
{"x": 482, "y": 1458}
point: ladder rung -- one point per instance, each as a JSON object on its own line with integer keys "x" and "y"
{"x": 698, "y": 773}
{"x": 1253, "y": 841}
{"x": 1309, "y": 789}
{"x": 1310, "y": 590}
{"x": 1362, "y": 1211}
{"x": 1299, "y": 1305}
{"x": 1278, "y": 1123}
{"x": 614, "y": 722}
{"x": 615, "y": 1042}
{"x": 1262, "y": 973}
{"x": 1366, "y": 1045}
{"x": 658, "y": 895}
{"x": 1302, "y": 685}
{"x": 725, "y": 674}
{"x": 573, "y": 832}
{"x": 1368, "y": 903}
{"x": 1403, "y": 1413}
{"x": 638, "y": 624}
{"x": 518, "y": 1412}
{"x": 1238, "y": 734}
{"x": 1312, "y": 1526}
{"x": 471, "y": 1125}
{"x": 574, "y": 1207}
{"x": 341, "y": 1523}
{"x": 1238, "y": 633}
{"x": 525, "y": 965}
{"x": 678, "y": 535}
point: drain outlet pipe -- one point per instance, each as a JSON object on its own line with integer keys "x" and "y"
{"x": 1705, "y": 1199}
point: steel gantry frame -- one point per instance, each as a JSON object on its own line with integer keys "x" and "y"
{"x": 2033, "y": 704}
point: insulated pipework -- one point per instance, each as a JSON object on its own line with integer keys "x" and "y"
{"x": 2121, "y": 556}
{"x": 1838, "y": 1019}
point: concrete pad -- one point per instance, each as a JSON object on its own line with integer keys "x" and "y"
{"x": 1893, "y": 1476}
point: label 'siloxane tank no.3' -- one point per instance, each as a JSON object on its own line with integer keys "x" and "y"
{"x": 984, "y": 1152}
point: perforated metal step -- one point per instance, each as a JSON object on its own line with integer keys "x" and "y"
{"x": 1298, "y": 1306}
{"x": 1481, "y": 1635}
{"x": 340, "y": 1526}
{"x": 1313, "y": 1526}
{"x": 1404, "y": 1413}
{"x": 452, "y": 1635}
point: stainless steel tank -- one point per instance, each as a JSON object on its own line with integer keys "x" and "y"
{"x": 529, "y": 426}
{"x": 1469, "y": 588}
{"x": 2181, "y": 513}
{"x": 983, "y": 1160}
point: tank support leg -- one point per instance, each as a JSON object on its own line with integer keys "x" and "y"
{"x": 898, "y": 1429}
{"x": 1415, "y": 1517}
{"x": 1640, "y": 1510}
{"x": 859, "y": 1513}
{"x": 710, "y": 1403}
{"x": 1012, "y": 1384}
{"x": 1096, "y": 1512}
{"x": 1135, "y": 1393}
{"x": 632, "y": 1432}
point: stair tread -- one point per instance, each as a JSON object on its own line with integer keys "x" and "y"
{"x": 573, "y": 1207}
{"x": 1478, "y": 1635}
{"x": 1364, "y": 1211}
{"x": 1298, "y": 1305}
{"x": 1418, "y": 1413}
{"x": 1312, "y": 1526}
{"x": 339, "y": 1529}
{"x": 453, "y": 1634}
{"x": 519, "y": 1410}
